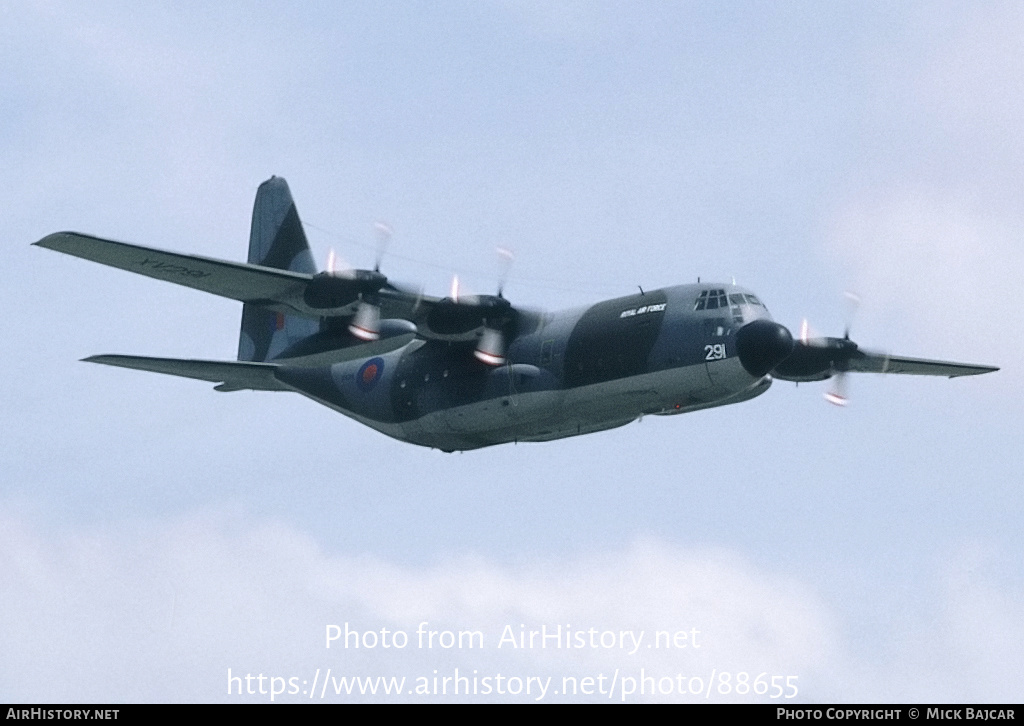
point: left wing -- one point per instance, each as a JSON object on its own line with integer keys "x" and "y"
{"x": 277, "y": 290}
{"x": 296, "y": 293}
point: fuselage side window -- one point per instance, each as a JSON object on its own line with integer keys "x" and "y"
{"x": 716, "y": 328}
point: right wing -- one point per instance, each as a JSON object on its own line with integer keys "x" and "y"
{"x": 880, "y": 363}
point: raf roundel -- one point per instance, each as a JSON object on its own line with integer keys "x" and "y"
{"x": 369, "y": 373}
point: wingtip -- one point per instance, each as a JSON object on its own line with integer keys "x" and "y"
{"x": 47, "y": 241}
{"x": 978, "y": 371}
{"x": 52, "y": 241}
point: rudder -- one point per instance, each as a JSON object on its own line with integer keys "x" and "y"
{"x": 276, "y": 239}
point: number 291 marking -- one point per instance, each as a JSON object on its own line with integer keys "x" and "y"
{"x": 714, "y": 352}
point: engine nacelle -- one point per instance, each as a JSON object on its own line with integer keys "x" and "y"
{"x": 339, "y": 293}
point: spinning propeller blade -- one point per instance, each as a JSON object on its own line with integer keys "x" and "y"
{"x": 491, "y": 348}
{"x": 837, "y": 395}
{"x": 383, "y": 234}
{"x": 505, "y": 258}
{"x": 365, "y": 323}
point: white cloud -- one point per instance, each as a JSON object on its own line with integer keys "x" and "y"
{"x": 162, "y": 612}
{"x": 933, "y": 231}
{"x": 931, "y": 257}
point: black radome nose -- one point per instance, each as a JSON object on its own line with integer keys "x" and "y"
{"x": 762, "y": 345}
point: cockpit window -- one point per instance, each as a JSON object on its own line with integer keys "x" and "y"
{"x": 754, "y": 301}
{"x": 711, "y": 300}
{"x": 738, "y": 302}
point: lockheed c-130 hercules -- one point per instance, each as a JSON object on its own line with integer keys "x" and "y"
{"x": 464, "y": 372}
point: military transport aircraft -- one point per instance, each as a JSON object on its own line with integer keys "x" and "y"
{"x": 464, "y": 372}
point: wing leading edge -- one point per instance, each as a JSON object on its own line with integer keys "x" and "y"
{"x": 231, "y": 375}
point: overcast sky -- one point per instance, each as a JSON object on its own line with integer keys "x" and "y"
{"x": 155, "y": 533}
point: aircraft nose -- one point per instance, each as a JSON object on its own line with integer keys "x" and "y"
{"x": 762, "y": 345}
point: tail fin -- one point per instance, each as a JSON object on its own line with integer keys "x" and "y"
{"x": 275, "y": 240}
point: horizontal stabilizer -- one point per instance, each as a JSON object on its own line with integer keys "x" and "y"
{"x": 231, "y": 375}
{"x": 881, "y": 363}
{"x": 277, "y": 290}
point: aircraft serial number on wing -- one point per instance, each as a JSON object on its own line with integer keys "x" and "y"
{"x": 714, "y": 352}
{"x": 640, "y": 311}
{"x": 172, "y": 269}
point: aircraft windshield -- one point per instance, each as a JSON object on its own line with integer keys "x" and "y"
{"x": 711, "y": 300}
{"x": 714, "y": 299}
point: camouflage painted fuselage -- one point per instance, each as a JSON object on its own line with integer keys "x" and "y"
{"x": 566, "y": 373}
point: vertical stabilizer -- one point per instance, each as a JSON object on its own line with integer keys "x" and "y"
{"x": 276, "y": 240}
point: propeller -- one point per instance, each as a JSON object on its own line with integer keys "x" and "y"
{"x": 491, "y": 348}
{"x": 853, "y": 303}
{"x": 505, "y": 260}
{"x": 836, "y": 395}
{"x": 340, "y": 290}
{"x": 463, "y": 318}
{"x": 487, "y": 319}
{"x": 818, "y": 358}
{"x": 365, "y": 323}
{"x": 383, "y": 233}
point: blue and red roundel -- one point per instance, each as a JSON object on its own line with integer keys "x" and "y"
{"x": 369, "y": 373}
